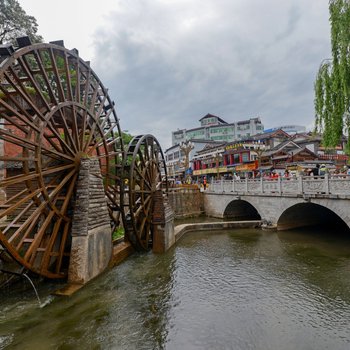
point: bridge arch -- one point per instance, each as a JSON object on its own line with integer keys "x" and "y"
{"x": 241, "y": 210}
{"x": 310, "y": 214}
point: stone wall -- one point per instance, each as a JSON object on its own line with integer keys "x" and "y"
{"x": 91, "y": 232}
{"x": 186, "y": 202}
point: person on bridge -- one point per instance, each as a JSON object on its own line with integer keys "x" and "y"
{"x": 323, "y": 170}
{"x": 205, "y": 183}
{"x": 286, "y": 174}
{"x": 274, "y": 175}
{"x": 315, "y": 170}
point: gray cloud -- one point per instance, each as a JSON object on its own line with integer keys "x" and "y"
{"x": 168, "y": 63}
{"x": 294, "y": 16}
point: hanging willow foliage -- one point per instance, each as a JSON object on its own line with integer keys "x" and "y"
{"x": 332, "y": 85}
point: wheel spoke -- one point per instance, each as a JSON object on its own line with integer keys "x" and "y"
{"x": 33, "y": 175}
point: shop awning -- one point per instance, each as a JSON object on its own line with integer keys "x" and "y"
{"x": 246, "y": 167}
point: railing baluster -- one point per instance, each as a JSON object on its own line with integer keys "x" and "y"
{"x": 300, "y": 179}
{"x": 321, "y": 185}
{"x": 326, "y": 180}
{"x": 279, "y": 185}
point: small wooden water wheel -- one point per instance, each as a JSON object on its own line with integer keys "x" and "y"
{"x": 54, "y": 110}
{"x": 145, "y": 174}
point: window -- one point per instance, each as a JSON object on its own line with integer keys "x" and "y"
{"x": 245, "y": 157}
{"x": 195, "y": 134}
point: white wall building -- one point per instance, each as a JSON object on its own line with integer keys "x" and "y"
{"x": 216, "y": 129}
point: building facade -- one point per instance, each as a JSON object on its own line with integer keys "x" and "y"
{"x": 175, "y": 156}
{"x": 216, "y": 129}
{"x": 227, "y": 159}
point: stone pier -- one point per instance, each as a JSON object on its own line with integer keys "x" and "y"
{"x": 163, "y": 224}
{"x": 91, "y": 232}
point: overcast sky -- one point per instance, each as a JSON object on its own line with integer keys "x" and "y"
{"x": 167, "y": 63}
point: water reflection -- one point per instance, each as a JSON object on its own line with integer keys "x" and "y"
{"x": 245, "y": 289}
{"x": 138, "y": 319}
{"x": 320, "y": 257}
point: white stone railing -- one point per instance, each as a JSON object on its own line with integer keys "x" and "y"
{"x": 326, "y": 185}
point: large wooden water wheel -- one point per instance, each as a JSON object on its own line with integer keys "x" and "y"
{"x": 54, "y": 110}
{"x": 145, "y": 174}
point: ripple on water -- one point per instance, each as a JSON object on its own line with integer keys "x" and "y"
{"x": 252, "y": 290}
{"x": 219, "y": 290}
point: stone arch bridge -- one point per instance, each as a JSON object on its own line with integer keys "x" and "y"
{"x": 284, "y": 203}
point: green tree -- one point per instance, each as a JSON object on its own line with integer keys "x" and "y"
{"x": 332, "y": 85}
{"x": 126, "y": 138}
{"x": 14, "y": 22}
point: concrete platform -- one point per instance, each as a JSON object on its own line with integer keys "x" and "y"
{"x": 121, "y": 251}
{"x": 180, "y": 230}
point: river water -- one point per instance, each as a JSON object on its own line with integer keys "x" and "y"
{"x": 238, "y": 289}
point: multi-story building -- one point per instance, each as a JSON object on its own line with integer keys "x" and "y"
{"x": 225, "y": 159}
{"x": 175, "y": 156}
{"x": 216, "y": 129}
